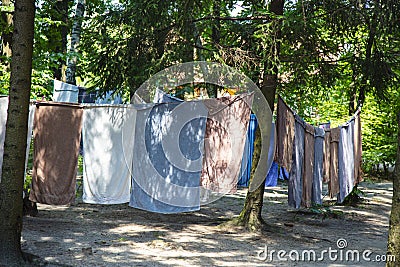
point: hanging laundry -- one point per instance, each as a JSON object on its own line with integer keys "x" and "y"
{"x": 246, "y": 165}
{"x": 162, "y": 97}
{"x": 325, "y": 126}
{"x": 107, "y": 133}
{"x": 283, "y": 174}
{"x": 109, "y": 97}
{"x": 272, "y": 177}
{"x": 167, "y": 156}
{"x": 285, "y": 134}
{"x": 346, "y": 160}
{"x": 319, "y": 134}
{"x": 308, "y": 167}
{"x": 333, "y": 185}
{"x": 273, "y": 173}
{"x": 86, "y": 97}
{"x": 64, "y": 92}
{"x": 327, "y": 156}
{"x": 31, "y": 115}
{"x": 295, "y": 185}
{"x": 245, "y": 168}
{"x": 357, "y": 148}
{"x": 3, "y": 121}
{"x": 227, "y": 123}
{"x": 57, "y": 131}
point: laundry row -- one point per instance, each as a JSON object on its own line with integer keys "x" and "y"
{"x": 313, "y": 155}
{"x": 69, "y": 93}
{"x": 162, "y": 157}
{"x": 275, "y": 171}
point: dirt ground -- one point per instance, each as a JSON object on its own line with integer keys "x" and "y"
{"x": 118, "y": 235}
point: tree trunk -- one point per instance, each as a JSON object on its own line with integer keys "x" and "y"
{"x": 16, "y": 132}
{"x": 250, "y": 216}
{"x": 393, "y": 247}
{"x": 75, "y": 37}
{"x": 7, "y": 36}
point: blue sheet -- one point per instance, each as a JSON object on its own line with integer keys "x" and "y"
{"x": 167, "y": 156}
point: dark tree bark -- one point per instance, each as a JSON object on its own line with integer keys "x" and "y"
{"x": 250, "y": 216}
{"x": 16, "y": 132}
{"x": 393, "y": 248}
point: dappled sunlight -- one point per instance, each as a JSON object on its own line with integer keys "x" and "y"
{"x": 117, "y": 235}
{"x": 106, "y": 168}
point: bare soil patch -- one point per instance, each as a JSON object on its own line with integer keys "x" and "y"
{"x": 117, "y": 235}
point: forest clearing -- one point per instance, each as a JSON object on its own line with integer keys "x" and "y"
{"x": 126, "y": 127}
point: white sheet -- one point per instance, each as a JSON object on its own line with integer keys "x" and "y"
{"x": 108, "y": 145}
{"x": 64, "y": 92}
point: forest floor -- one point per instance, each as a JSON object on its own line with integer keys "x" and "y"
{"x": 118, "y": 235}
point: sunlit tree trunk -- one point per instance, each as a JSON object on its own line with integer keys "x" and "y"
{"x": 16, "y": 132}
{"x": 75, "y": 36}
{"x": 394, "y": 225}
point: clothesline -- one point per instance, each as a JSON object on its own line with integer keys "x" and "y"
{"x": 99, "y": 122}
{"x": 299, "y": 151}
{"x": 147, "y": 173}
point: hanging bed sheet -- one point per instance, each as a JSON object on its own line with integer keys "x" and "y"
{"x": 107, "y": 132}
{"x": 167, "y": 156}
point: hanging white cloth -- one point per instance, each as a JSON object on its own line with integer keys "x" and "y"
{"x": 108, "y": 145}
{"x": 64, "y": 92}
{"x": 3, "y": 120}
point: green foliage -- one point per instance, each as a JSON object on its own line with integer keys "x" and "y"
{"x": 334, "y": 55}
{"x": 380, "y": 131}
{"x": 4, "y": 80}
{"x": 47, "y": 54}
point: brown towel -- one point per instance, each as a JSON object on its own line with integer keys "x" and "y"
{"x": 225, "y": 137}
{"x": 308, "y": 166}
{"x": 333, "y": 185}
{"x": 327, "y": 156}
{"x": 57, "y": 131}
{"x": 285, "y": 135}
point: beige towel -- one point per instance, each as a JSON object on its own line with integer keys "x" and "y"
{"x": 333, "y": 185}
{"x": 285, "y": 135}
{"x": 225, "y": 137}
{"x": 327, "y": 156}
{"x": 57, "y": 132}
